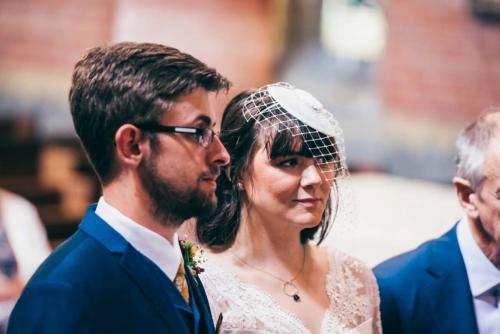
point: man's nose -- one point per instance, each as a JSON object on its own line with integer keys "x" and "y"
{"x": 218, "y": 153}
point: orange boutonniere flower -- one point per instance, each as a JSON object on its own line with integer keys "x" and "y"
{"x": 191, "y": 256}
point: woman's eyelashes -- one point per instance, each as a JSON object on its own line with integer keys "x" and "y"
{"x": 288, "y": 161}
{"x": 325, "y": 159}
{"x": 299, "y": 160}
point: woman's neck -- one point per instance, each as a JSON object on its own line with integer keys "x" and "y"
{"x": 261, "y": 242}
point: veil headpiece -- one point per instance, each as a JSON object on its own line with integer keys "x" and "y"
{"x": 285, "y": 107}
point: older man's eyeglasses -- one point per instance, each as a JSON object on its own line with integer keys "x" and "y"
{"x": 205, "y": 136}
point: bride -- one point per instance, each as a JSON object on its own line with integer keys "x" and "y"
{"x": 265, "y": 271}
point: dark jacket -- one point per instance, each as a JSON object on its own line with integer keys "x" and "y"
{"x": 96, "y": 282}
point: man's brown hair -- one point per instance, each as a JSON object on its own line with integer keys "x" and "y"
{"x": 130, "y": 83}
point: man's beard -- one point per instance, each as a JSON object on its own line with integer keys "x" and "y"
{"x": 170, "y": 204}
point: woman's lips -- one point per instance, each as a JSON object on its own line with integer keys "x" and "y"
{"x": 309, "y": 202}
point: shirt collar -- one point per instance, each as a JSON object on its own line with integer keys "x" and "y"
{"x": 165, "y": 255}
{"x": 482, "y": 274}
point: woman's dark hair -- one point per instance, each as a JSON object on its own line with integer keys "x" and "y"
{"x": 241, "y": 137}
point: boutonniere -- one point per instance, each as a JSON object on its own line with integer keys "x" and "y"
{"x": 192, "y": 257}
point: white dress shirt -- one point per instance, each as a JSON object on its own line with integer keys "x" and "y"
{"x": 483, "y": 276}
{"x": 165, "y": 255}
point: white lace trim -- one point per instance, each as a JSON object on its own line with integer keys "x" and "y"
{"x": 354, "y": 297}
{"x": 350, "y": 285}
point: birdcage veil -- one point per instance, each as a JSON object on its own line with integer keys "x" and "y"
{"x": 287, "y": 108}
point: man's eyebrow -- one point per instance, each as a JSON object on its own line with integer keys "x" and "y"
{"x": 205, "y": 119}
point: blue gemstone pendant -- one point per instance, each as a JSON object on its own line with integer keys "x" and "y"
{"x": 291, "y": 290}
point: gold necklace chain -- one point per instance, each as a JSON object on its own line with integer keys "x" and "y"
{"x": 289, "y": 288}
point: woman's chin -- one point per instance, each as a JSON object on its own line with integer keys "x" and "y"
{"x": 307, "y": 220}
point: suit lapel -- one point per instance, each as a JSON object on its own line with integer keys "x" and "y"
{"x": 157, "y": 287}
{"x": 448, "y": 293}
{"x": 98, "y": 229}
{"x": 154, "y": 284}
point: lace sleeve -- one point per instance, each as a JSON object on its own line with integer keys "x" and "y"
{"x": 354, "y": 293}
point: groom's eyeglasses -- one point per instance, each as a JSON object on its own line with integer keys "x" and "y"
{"x": 205, "y": 135}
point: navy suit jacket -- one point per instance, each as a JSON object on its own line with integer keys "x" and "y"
{"x": 427, "y": 290}
{"x": 96, "y": 282}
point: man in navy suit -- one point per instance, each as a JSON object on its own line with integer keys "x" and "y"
{"x": 144, "y": 116}
{"x": 452, "y": 284}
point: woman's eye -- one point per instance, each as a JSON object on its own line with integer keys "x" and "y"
{"x": 325, "y": 159}
{"x": 288, "y": 162}
{"x": 321, "y": 160}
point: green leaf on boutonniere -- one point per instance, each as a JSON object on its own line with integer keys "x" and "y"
{"x": 191, "y": 258}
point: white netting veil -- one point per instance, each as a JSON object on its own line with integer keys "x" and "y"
{"x": 287, "y": 108}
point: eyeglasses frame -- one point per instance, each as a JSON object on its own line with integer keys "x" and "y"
{"x": 200, "y": 132}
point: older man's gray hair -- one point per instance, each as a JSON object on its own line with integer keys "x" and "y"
{"x": 472, "y": 146}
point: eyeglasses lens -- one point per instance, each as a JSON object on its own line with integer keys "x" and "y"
{"x": 207, "y": 137}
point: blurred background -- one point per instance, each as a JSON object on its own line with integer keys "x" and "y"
{"x": 402, "y": 77}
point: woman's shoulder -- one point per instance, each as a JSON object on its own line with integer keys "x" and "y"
{"x": 346, "y": 265}
{"x": 217, "y": 276}
{"x": 352, "y": 289}
{"x": 213, "y": 266}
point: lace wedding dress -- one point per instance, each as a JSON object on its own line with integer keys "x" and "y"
{"x": 350, "y": 285}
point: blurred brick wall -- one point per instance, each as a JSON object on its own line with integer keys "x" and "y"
{"x": 51, "y": 33}
{"x": 440, "y": 61}
{"x": 40, "y": 40}
{"x": 241, "y": 39}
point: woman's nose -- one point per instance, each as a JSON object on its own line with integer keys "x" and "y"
{"x": 311, "y": 176}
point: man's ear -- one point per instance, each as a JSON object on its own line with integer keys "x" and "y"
{"x": 129, "y": 145}
{"x": 466, "y": 196}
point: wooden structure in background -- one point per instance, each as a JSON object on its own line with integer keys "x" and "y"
{"x": 54, "y": 175}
